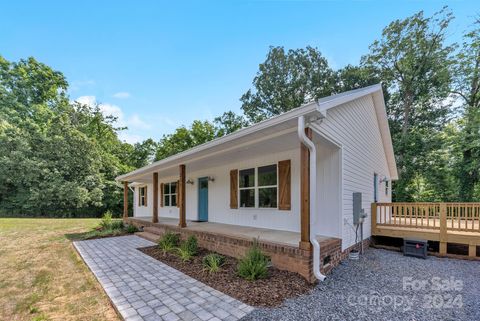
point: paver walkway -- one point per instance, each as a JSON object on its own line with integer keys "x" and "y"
{"x": 143, "y": 288}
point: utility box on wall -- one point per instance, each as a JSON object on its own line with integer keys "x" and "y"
{"x": 358, "y": 214}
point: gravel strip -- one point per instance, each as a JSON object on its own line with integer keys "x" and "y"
{"x": 385, "y": 285}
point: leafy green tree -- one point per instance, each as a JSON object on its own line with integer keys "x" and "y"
{"x": 354, "y": 77}
{"x": 57, "y": 158}
{"x": 286, "y": 80}
{"x": 228, "y": 123}
{"x": 415, "y": 64}
{"x": 185, "y": 138}
{"x": 143, "y": 153}
{"x": 467, "y": 88}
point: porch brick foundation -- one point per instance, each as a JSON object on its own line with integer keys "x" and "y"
{"x": 333, "y": 247}
{"x": 284, "y": 257}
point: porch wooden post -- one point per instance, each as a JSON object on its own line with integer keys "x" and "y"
{"x": 305, "y": 194}
{"x": 125, "y": 200}
{"x": 155, "y": 198}
{"x": 182, "y": 222}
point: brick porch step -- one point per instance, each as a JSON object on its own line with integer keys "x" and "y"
{"x": 154, "y": 230}
{"x": 148, "y": 236}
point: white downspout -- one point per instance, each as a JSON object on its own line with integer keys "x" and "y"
{"x": 313, "y": 196}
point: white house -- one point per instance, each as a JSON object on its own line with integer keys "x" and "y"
{"x": 258, "y": 177}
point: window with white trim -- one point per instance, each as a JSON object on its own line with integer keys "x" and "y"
{"x": 386, "y": 187}
{"x": 142, "y": 196}
{"x": 258, "y": 187}
{"x": 170, "y": 194}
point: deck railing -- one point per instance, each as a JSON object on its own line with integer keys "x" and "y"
{"x": 445, "y": 222}
{"x": 451, "y": 216}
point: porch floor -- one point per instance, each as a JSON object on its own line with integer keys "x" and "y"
{"x": 268, "y": 235}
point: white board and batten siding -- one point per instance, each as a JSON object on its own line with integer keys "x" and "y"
{"x": 354, "y": 127}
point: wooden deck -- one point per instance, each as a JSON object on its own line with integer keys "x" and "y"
{"x": 442, "y": 222}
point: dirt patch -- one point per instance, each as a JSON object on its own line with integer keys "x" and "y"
{"x": 269, "y": 292}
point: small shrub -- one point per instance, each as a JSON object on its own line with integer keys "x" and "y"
{"x": 188, "y": 248}
{"x": 213, "y": 262}
{"x": 254, "y": 265}
{"x": 168, "y": 242}
{"x": 184, "y": 253}
{"x": 192, "y": 245}
{"x": 131, "y": 229}
{"x": 106, "y": 221}
{"x": 116, "y": 225}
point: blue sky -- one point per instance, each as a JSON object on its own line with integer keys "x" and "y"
{"x": 158, "y": 65}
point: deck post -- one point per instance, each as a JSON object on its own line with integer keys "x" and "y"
{"x": 182, "y": 222}
{"x": 443, "y": 229}
{"x": 125, "y": 200}
{"x": 305, "y": 194}
{"x": 472, "y": 249}
{"x": 155, "y": 198}
{"x": 373, "y": 209}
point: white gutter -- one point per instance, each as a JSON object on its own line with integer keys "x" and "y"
{"x": 313, "y": 196}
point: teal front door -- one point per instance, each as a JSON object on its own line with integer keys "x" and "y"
{"x": 203, "y": 199}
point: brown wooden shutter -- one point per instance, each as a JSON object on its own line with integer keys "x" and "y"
{"x": 178, "y": 193}
{"x": 139, "y": 189}
{"x": 146, "y": 193}
{"x": 234, "y": 188}
{"x": 161, "y": 195}
{"x": 284, "y": 185}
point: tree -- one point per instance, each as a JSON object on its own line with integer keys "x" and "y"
{"x": 467, "y": 88}
{"x": 228, "y": 123}
{"x": 185, "y": 138}
{"x": 57, "y": 158}
{"x": 143, "y": 153}
{"x": 354, "y": 77}
{"x": 286, "y": 80}
{"x": 415, "y": 64}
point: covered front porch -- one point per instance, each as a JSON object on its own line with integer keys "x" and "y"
{"x": 258, "y": 183}
{"x": 207, "y": 189}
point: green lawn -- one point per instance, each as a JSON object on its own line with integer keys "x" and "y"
{"x": 41, "y": 275}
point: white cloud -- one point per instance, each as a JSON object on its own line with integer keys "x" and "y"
{"x": 132, "y": 122}
{"x": 112, "y": 110}
{"x": 122, "y": 95}
{"x": 86, "y": 100}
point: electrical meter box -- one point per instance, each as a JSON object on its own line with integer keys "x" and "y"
{"x": 358, "y": 213}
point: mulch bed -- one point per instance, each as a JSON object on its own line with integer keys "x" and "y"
{"x": 269, "y": 292}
